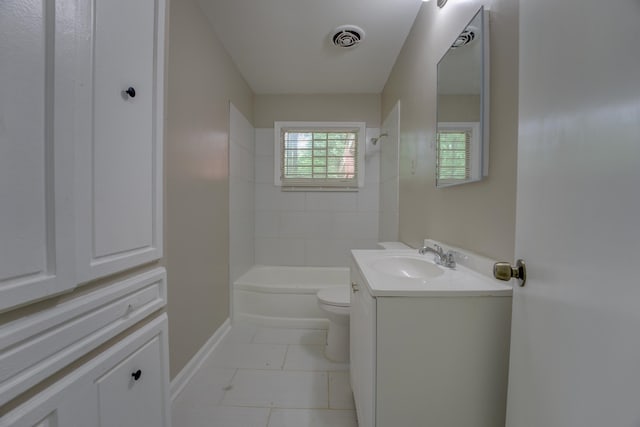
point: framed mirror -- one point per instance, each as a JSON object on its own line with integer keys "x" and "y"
{"x": 462, "y": 134}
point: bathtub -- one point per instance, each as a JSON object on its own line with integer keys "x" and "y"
{"x": 285, "y": 296}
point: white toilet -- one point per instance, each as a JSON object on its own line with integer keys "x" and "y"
{"x": 336, "y": 303}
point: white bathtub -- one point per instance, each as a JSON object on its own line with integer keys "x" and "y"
{"x": 285, "y": 296}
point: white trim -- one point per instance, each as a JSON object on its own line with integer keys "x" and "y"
{"x": 362, "y": 147}
{"x": 193, "y": 366}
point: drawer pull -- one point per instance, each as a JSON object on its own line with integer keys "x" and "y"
{"x": 136, "y": 375}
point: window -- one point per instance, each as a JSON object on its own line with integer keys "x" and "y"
{"x": 456, "y": 143}
{"x": 319, "y": 156}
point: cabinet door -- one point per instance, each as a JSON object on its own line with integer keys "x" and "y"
{"x": 36, "y": 148}
{"x": 119, "y": 148}
{"x": 363, "y": 350}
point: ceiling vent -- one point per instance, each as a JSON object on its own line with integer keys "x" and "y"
{"x": 465, "y": 37}
{"x": 347, "y": 36}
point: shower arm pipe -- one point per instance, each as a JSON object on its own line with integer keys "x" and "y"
{"x": 374, "y": 141}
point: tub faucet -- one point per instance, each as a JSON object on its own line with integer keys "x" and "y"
{"x": 441, "y": 258}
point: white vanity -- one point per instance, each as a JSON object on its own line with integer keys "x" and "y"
{"x": 429, "y": 344}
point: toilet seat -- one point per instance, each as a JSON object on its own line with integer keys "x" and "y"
{"x": 336, "y": 296}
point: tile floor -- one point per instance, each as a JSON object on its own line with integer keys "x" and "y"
{"x": 267, "y": 377}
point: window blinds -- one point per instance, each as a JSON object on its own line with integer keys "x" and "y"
{"x": 454, "y": 155}
{"x": 319, "y": 158}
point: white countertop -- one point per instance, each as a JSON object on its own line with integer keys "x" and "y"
{"x": 460, "y": 281}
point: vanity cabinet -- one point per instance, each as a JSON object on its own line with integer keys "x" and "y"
{"x": 428, "y": 360}
{"x": 127, "y": 385}
{"x": 80, "y": 158}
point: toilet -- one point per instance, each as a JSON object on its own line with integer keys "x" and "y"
{"x": 336, "y": 303}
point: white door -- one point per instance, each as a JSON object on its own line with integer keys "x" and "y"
{"x": 37, "y": 42}
{"x": 575, "y": 349}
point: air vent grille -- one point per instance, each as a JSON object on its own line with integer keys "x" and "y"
{"x": 347, "y": 36}
{"x": 466, "y": 37}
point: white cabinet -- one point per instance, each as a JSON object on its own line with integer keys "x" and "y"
{"x": 80, "y": 161}
{"x": 428, "y": 361}
{"x": 363, "y": 349}
{"x": 119, "y": 137}
{"x": 127, "y": 385}
{"x": 36, "y": 150}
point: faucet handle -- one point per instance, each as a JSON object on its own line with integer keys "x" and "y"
{"x": 450, "y": 259}
{"x": 438, "y": 248}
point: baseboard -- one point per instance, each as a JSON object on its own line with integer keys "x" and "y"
{"x": 190, "y": 369}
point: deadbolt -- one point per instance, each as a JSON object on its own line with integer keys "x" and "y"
{"x": 504, "y": 271}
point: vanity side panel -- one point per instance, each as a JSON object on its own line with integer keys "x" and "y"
{"x": 452, "y": 370}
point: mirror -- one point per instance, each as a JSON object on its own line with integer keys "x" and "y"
{"x": 462, "y": 132}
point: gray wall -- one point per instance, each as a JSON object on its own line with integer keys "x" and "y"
{"x": 201, "y": 81}
{"x": 478, "y": 216}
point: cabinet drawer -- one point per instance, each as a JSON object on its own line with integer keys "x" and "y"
{"x": 103, "y": 393}
{"x": 131, "y": 393}
{"x": 34, "y": 347}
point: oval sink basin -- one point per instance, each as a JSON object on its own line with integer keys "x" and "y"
{"x": 413, "y": 268}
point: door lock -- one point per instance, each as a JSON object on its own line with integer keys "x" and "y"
{"x": 504, "y": 271}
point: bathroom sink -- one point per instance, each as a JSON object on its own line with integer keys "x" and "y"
{"x": 408, "y": 267}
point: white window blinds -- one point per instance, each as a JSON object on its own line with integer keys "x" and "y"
{"x": 320, "y": 157}
{"x": 453, "y": 161}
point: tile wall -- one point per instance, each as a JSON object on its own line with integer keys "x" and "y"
{"x": 241, "y": 193}
{"x": 312, "y": 228}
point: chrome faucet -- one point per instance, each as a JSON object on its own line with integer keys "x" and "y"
{"x": 440, "y": 257}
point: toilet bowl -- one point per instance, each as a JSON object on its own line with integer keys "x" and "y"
{"x": 336, "y": 303}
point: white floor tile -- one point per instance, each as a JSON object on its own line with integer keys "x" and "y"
{"x": 207, "y": 387}
{"x": 279, "y": 389}
{"x": 291, "y": 336}
{"x": 248, "y": 356}
{"x": 310, "y": 358}
{"x": 340, "y": 394}
{"x": 241, "y": 332}
{"x": 312, "y": 418}
{"x": 219, "y": 416}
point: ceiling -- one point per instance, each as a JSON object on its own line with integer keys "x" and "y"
{"x": 284, "y": 46}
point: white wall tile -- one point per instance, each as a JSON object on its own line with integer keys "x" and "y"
{"x": 240, "y": 161}
{"x": 241, "y": 193}
{"x": 305, "y": 224}
{"x": 267, "y": 223}
{"x": 368, "y": 198}
{"x": 279, "y": 251}
{"x": 241, "y": 198}
{"x": 312, "y": 228}
{"x": 264, "y": 142}
{"x": 264, "y": 170}
{"x": 269, "y": 197}
{"x": 334, "y": 202}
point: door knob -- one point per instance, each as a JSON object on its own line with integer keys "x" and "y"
{"x": 136, "y": 375}
{"x": 131, "y": 92}
{"x": 504, "y": 271}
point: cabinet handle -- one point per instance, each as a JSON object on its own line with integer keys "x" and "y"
{"x": 354, "y": 287}
{"x": 136, "y": 375}
{"x": 131, "y": 92}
